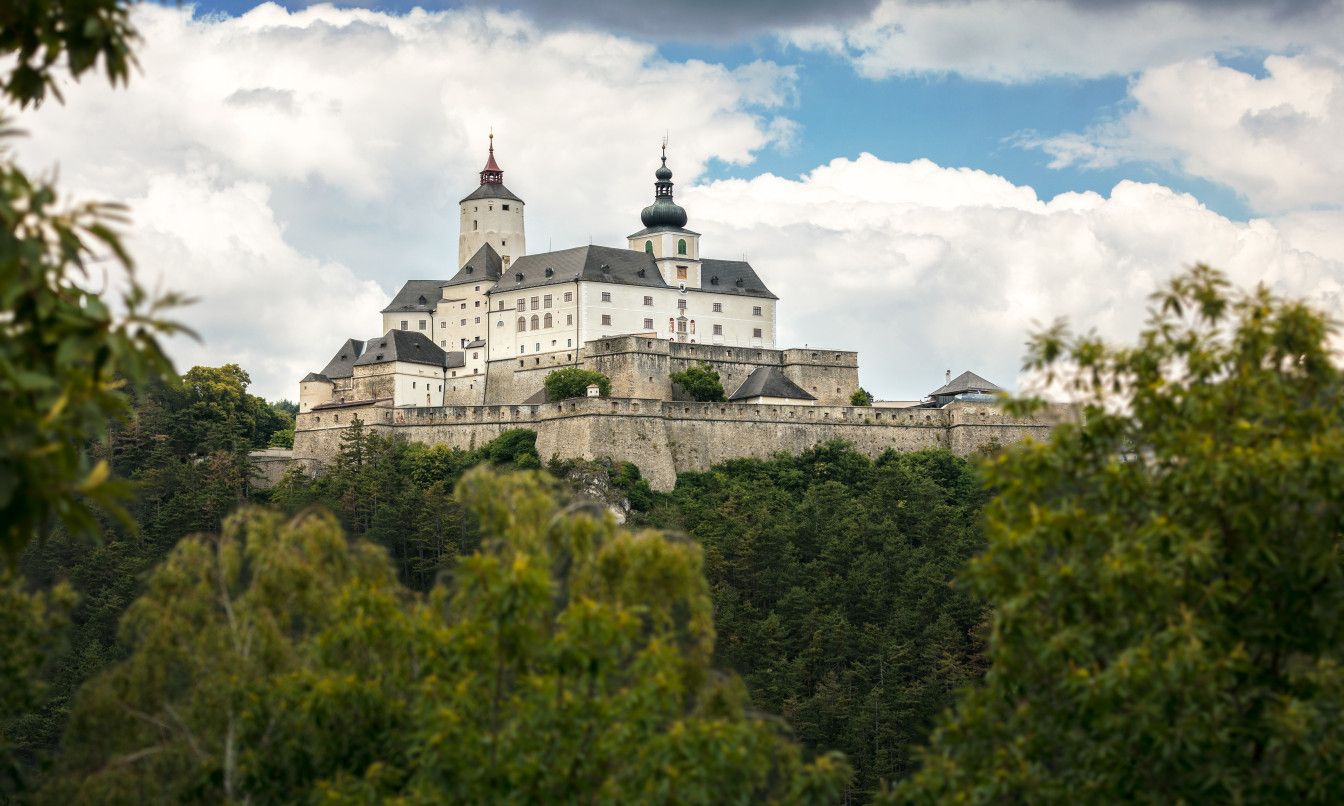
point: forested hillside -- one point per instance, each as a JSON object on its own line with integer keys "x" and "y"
{"x": 834, "y": 595}
{"x": 829, "y": 574}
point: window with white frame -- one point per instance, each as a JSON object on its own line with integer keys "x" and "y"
{"x": 718, "y": 330}
{"x": 756, "y": 311}
{"x": 718, "y": 307}
{"x": 606, "y": 296}
{"x": 648, "y": 301}
{"x": 606, "y": 319}
{"x": 648, "y": 324}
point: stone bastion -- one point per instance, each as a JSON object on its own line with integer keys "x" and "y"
{"x": 664, "y": 438}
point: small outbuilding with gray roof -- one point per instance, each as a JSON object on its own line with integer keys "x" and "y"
{"x": 767, "y": 385}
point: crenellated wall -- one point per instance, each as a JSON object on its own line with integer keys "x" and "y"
{"x": 666, "y": 438}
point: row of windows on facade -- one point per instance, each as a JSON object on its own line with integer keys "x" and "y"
{"x": 545, "y": 322}
{"x": 405, "y": 325}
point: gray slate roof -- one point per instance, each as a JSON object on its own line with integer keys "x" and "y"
{"x": 491, "y": 191}
{"x": 484, "y": 266}
{"x": 473, "y": 344}
{"x": 341, "y": 365}
{"x": 410, "y": 296}
{"x": 732, "y": 277}
{"x": 314, "y": 376}
{"x": 410, "y": 346}
{"x": 769, "y": 382}
{"x": 662, "y": 228}
{"x": 965, "y": 382}
{"x": 622, "y": 266}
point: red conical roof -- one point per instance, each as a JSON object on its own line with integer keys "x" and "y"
{"x": 492, "y": 174}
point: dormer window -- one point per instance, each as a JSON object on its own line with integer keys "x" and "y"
{"x": 423, "y": 300}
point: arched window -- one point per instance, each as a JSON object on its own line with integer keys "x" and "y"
{"x": 681, "y": 246}
{"x": 692, "y": 325}
{"x": 534, "y": 321}
{"x": 547, "y": 320}
{"x": 648, "y": 247}
{"x": 522, "y": 324}
{"x": 671, "y": 325}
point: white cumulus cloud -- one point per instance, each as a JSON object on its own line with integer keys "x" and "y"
{"x": 1024, "y": 40}
{"x": 924, "y": 268}
{"x": 279, "y": 165}
{"x": 1274, "y": 139}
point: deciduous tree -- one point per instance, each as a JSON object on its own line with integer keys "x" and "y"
{"x": 1166, "y": 574}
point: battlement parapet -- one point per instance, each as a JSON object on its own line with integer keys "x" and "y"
{"x": 664, "y": 438}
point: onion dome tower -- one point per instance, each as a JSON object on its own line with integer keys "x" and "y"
{"x": 675, "y": 249}
{"x": 492, "y": 215}
{"x": 664, "y": 212}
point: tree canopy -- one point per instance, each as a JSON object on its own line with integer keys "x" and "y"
{"x": 1165, "y": 574}
{"x": 830, "y": 574}
{"x": 568, "y": 660}
{"x": 701, "y": 382}
{"x": 568, "y": 382}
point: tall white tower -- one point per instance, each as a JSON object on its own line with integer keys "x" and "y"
{"x": 493, "y": 215}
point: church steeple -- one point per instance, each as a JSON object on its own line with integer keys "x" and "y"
{"x": 664, "y": 212}
{"x": 492, "y": 174}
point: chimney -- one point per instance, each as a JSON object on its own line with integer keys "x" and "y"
{"x": 947, "y": 377}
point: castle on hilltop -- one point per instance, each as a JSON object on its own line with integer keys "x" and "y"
{"x": 461, "y": 340}
{"x": 462, "y": 359}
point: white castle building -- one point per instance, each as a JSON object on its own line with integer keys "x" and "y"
{"x": 445, "y": 342}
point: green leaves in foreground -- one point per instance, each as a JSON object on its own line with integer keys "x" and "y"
{"x": 1166, "y": 576}
{"x": 64, "y": 356}
{"x": 568, "y": 661}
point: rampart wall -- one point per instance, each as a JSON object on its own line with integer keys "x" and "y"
{"x": 666, "y": 438}
{"x": 640, "y": 367}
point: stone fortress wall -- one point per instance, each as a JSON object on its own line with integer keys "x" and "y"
{"x": 664, "y": 438}
{"x": 639, "y": 367}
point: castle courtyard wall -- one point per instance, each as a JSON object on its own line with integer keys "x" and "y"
{"x": 666, "y": 438}
{"x": 640, "y": 367}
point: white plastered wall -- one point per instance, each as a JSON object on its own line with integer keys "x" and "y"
{"x": 485, "y": 221}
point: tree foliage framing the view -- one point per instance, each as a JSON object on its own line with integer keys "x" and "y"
{"x": 64, "y": 354}
{"x": 1166, "y": 575}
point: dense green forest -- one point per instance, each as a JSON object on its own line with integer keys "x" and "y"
{"x": 848, "y": 627}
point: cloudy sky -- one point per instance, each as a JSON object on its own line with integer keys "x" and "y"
{"x": 919, "y": 180}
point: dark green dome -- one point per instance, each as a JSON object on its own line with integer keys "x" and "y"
{"x": 664, "y": 212}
